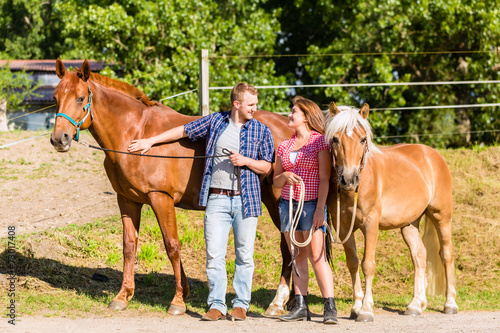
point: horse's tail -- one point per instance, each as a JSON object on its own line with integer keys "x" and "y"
{"x": 328, "y": 241}
{"x": 436, "y": 276}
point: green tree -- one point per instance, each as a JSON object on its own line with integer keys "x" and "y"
{"x": 13, "y": 89}
{"x": 412, "y": 41}
{"x": 29, "y": 30}
{"x": 156, "y": 45}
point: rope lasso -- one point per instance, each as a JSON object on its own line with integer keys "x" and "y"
{"x": 294, "y": 222}
{"x": 294, "y": 219}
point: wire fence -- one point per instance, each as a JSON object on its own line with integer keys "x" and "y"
{"x": 352, "y": 54}
{"x": 346, "y": 85}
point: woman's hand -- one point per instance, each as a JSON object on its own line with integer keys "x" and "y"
{"x": 291, "y": 178}
{"x": 319, "y": 218}
{"x": 142, "y": 145}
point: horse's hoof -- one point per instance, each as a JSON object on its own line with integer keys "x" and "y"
{"x": 365, "y": 317}
{"x": 412, "y": 312}
{"x": 273, "y": 311}
{"x": 353, "y": 315}
{"x": 117, "y": 306}
{"x": 450, "y": 310}
{"x": 176, "y": 310}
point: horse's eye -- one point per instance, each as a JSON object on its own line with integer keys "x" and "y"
{"x": 334, "y": 141}
{"x": 363, "y": 140}
{"x": 80, "y": 99}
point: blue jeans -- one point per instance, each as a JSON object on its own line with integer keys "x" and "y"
{"x": 305, "y": 219}
{"x": 222, "y": 213}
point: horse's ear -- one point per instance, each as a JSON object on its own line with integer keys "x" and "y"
{"x": 60, "y": 69}
{"x": 85, "y": 70}
{"x": 365, "y": 110}
{"x": 333, "y": 109}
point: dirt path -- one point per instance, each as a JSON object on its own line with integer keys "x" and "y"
{"x": 432, "y": 322}
{"x": 41, "y": 189}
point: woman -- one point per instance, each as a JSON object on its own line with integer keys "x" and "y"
{"x": 306, "y": 157}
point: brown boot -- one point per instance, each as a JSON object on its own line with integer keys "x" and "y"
{"x": 213, "y": 315}
{"x": 238, "y": 314}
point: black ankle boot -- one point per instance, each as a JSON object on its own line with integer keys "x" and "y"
{"x": 330, "y": 311}
{"x": 299, "y": 312}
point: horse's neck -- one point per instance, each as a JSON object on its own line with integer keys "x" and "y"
{"x": 116, "y": 117}
{"x": 119, "y": 119}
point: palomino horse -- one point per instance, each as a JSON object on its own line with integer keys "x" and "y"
{"x": 116, "y": 113}
{"x": 398, "y": 185}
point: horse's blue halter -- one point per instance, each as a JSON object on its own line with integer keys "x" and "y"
{"x": 87, "y": 109}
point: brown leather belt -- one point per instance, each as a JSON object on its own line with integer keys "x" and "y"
{"x": 229, "y": 193}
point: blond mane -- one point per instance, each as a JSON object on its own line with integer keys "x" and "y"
{"x": 346, "y": 123}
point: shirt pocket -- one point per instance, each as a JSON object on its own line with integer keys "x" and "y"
{"x": 252, "y": 149}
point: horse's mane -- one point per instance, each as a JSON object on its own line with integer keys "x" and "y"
{"x": 123, "y": 87}
{"x": 346, "y": 122}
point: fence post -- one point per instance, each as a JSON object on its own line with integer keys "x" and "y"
{"x": 204, "y": 83}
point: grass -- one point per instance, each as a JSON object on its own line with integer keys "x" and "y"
{"x": 55, "y": 267}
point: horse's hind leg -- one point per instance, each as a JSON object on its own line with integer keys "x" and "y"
{"x": 131, "y": 217}
{"x": 418, "y": 255}
{"x": 163, "y": 206}
{"x": 276, "y": 307}
{"x": 442, "y": 222}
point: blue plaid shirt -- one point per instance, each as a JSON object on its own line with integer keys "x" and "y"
{"x": 256, "y": 142}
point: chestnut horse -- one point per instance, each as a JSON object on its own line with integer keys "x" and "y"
{"x": 116, "y": 113}
{"x": 398, "y": 185}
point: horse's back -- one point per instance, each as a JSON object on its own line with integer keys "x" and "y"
{"x": 408, "y": 178}
{"x": 423, "y": 157}
{"x": 278, "y": 125}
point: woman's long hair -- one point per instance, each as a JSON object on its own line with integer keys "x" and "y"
{"x": 312, "y": 112}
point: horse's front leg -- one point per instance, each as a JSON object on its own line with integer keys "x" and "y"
{"x": 352, "y": 262}
{"x": 131, "y": 219}
{"x": 370, "y": 231}
{"x": 418, "y": 255}
{"x": 163, "y": 206}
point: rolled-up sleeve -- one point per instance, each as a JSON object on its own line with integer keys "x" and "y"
{"x": 198, "y": 129}
{"x": 266, "y": 152}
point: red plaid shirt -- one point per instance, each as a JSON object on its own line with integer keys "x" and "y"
{"x": 306, "y": 165}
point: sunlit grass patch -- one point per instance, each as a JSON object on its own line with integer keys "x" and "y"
{"x": 55, "y": 267}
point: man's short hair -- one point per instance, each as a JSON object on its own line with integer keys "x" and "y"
{"x": 240, "y": 89}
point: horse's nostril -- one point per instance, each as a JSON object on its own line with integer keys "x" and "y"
{"x": 65, "y": 138}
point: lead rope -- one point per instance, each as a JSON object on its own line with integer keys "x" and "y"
{"x": 336, "y": 239}
{"x": 294, "y": 222}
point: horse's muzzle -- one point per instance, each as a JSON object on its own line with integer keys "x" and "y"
{"x": 61, "y": 143}
{"x": 349, "y": 181}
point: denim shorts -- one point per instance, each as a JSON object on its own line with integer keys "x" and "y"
{"x": 305, "y": 219}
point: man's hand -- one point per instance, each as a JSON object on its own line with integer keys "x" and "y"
{"x": 140, "y": 145}
{"x": 260, "y": 167}
{"x": 237, "y": 159}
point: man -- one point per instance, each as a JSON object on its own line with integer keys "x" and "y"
{"x": 230, "y": 191}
